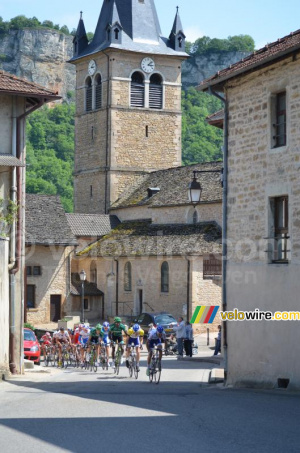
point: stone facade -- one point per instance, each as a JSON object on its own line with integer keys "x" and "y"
{"x": 117, "y": 143}
{"x": 54, "y": 279}
{"x": 4, "y": 307}
{"x": 257, "y": 173}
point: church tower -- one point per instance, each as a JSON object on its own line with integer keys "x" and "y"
{"x": 128, "y": 97}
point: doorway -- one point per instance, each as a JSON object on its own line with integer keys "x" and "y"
{"x": 140, "y": 300}
{"x": 55, "y": 307}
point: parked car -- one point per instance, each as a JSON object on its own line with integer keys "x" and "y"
{"x": 162, "y": 318}
{"x": 40, "y": 332}
{"x": 32, "y": 350}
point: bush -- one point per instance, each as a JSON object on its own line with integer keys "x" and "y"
{"x": 28, "y": 326}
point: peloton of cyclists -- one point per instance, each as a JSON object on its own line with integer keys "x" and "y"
{"x": 155, "y": 338}
{"x": 116, "y": 335}
{"x": 95, "y": 338}
{"x": 59, "y": 337}
{"x": 136, "y": 336}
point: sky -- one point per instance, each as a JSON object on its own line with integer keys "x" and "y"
{"x": 264, "y": 20}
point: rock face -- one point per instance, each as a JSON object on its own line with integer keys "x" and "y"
{"x": 198, "y": 68}
{"x": 41, "y": 55}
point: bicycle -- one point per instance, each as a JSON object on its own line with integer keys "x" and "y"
{"x": 93, "y": 358}
{"x": 132, "y": 363}
{"x": 103, "y": 357}
{"x": 155, "y": 366}
{"x": 118, "y": 356}
{"x": 48, "y": 356}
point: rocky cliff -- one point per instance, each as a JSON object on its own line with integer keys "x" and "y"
{"x": 41, "y": 56}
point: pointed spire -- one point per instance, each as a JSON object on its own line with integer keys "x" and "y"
{"x": 80, "y": 41}
{"x": 115, "y": 19}
{"x": 177, "y": 36}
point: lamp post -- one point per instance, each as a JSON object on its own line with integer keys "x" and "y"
{"x": 195, "y": 188}
{"x": 82, "y": 278}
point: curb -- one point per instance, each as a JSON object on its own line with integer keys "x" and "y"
{"x": 215, "y": 360}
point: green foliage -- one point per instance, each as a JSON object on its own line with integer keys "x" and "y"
{"x": 28, "y": 326}
{"x": 8, "y": 214}
{"x": 200, "y": 141}
{"x": 50, "y": 152}
{"x": 241, "y": 43}
{"x": 21, "y": 21}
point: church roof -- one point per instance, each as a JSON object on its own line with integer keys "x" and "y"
{"x": 141, "y": 238}
{"x": 173, "y": 187}
{"x": 92, "y": 224}
{"x": 141, "y": 29}
{"x": 46, "y": 221}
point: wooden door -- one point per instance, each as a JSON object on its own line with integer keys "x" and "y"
{"x": 55, "y": 307}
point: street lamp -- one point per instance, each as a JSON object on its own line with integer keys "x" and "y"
{"x": 82, "y": 278}
{"x": 195, "y": 188}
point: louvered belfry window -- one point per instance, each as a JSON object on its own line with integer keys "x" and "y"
{"x": 98, "y": 91}
{"x": 155, "y": 92}
{"x": 137, "y": 90}
{"x": 88, "y": 95}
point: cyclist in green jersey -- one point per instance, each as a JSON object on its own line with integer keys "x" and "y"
{"x": 116, "y": 335}
{"x": 94, "y": 338}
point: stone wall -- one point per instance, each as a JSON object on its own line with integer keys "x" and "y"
{"x": 55, "y": 279}
{"x": 4, "y": 307}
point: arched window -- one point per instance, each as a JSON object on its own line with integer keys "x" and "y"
{"x": 127, "y": 277}
{"x": 195, "y": 217}
{"x": 117, "y": 31}
{"x": 164, "y": 277}
{"x": 88, "y": 94}
{"x": 137, "y": 98}
{"x": 98, "y": 92}
{"x": 180, "y": 41}
{"x": 155, "y": 92}
{"x": 93, "y": 272}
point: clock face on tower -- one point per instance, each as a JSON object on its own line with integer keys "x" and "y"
{"x": 148, "y": 65}
{"x": 92, "y": 67}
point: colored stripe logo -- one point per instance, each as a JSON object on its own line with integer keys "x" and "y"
{"x": 204, "y": 315}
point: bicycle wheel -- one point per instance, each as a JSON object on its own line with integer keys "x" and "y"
{"x": 157, "y": 371}
{"x": 136, "y": 373}
{"x": 130, "y": 369}
{"x": 151, "y": 373}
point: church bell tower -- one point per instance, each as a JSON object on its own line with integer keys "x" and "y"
{"x": 128, "y": 101}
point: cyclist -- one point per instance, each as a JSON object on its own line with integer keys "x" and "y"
{"x": 95, "y": 339}
{"x": 115, "y": 334}
{"x": 136, "y": 336}
{"x": 104, "y": 335}
{"x": 156, "y": 337}
{"x": 84, "y": 334}
{"x": 46, "y": 340}
{"x": 60, "y": 337}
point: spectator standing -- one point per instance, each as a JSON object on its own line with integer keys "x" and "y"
{"x": 188, "y": 341}
{"x": 180, "y": 335}
{"x": 218, "y": 342}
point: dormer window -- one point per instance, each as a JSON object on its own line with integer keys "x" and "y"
{"x": 137, "y": 97}
{"x": 156, "y": 92}
{"x": 180, "y": 41}
{"x": 117, "y": 32}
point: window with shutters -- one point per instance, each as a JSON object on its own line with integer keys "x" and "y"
{"x": 156, "y": 92}
{"x": 98, "y": 91}
{"x": 164, "y": 277}
{"x": 279, "y": 240}
{"x": 137, "y": 98}
{"x": 127, "y": 277}
{"x": 93, "y": 272}
{"x": 212, "y": 267}
{"x": 279, "y": 120}
{"x": 30, "y": 296}
{"x": 88, "y": 94}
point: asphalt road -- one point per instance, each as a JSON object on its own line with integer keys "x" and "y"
{"x": 79, "y": 411}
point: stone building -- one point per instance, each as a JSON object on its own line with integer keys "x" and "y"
{"x": 262, "y": 119}
{"x": 164, "y": 255}
{"x": 50, "y": 244}
{"x": 18, "y": 98}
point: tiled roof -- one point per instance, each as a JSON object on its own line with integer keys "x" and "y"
{"x": 173, "y": 184}
{"x": 46, "y": 221}
{"x": 216, "y": 119}
{"x": 7, "y": 160}
{"x": 92, "y": 224}
{"x": 90, "y": 289}
{"x": 267, "y": 54}
{"x": 136, "y": 238}
{"x": 15, "y": 85}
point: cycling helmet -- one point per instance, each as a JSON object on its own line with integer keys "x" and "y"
{"x": 160, "y": 329}
{"x": 48, "y": 334}
{"x": 136, "y": 327}
{"x": 98, "y": 327}
{"x": 106, "y": 325}
{"x": 117, "y": 319}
